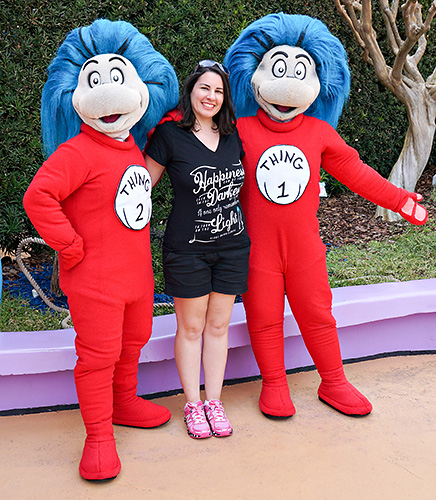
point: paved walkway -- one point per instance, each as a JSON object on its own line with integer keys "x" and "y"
{"x": 319, "y": 454}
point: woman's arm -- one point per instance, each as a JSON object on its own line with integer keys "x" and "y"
{"x": 155, "y": 169}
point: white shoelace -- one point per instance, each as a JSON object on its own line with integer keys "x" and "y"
{"x": 217, "y": 411}
{"x": 196, "y": 414}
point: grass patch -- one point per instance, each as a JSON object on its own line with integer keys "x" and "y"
{"x": 17, "y": 316}
{"x": 410, "y": 256}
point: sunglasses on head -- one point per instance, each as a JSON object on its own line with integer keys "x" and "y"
{"x": 208, "y": 63}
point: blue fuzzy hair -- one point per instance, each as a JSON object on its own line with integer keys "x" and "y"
{"x": 59, "y": 120}
{"x": 244, "y": 55}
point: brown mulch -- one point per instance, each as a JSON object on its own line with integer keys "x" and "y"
{"x": 344, "y": 219}
{"x": 350, "y": 219}
{"x": 11, "y": 269}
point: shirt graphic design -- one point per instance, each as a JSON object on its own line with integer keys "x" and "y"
{"x": 217, "y": 199}
{"x": 282, "y": 174}
{"x": 133, "y": 198}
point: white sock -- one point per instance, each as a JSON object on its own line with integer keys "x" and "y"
{"x": 193, "y": 402}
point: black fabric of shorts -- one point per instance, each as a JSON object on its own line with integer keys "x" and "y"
{"x": 190, "y": 275}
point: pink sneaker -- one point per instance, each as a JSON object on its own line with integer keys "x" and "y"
{"x": 195, "y": 419}
{"x": 217, "y": 419}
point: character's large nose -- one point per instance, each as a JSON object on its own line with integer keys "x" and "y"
{"x": 109, "y": 99}
{"x": 290, "y": 92}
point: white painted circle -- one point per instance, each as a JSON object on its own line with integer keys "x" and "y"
{"x": 133, "y": 198}
{"x": 282, "y": 174}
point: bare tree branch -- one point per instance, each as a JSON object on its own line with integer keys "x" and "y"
{"x": 422, "y": 45}
{"x": 415, "y": 32}
{"x": 394, "y": 7}
{"x": 358, "y": 15}
{"x": 407, "y": 44}
{"x": 430, "y": 15}
{"x": 347, "y": 10}
{"x": 370, "y": 38}
{"x": 390, "y": 20}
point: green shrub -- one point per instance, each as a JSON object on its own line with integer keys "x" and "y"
{"x": 184, "y": 31}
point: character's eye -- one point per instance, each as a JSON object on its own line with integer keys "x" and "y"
{"x": 94, "y": 79}
{"x": 117, "y": 76}
{"x": 300, "y": 71}
{"x": 279, "y": 68}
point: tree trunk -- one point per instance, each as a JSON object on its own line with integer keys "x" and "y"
{"x": 416, "y": 149}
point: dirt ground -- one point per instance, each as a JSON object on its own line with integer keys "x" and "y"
{"x": 350, "y": 219}
{"x": 318, "y": 454}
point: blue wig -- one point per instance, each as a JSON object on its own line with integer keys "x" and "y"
{"x": 244, "y": 55}
{"x": 59, "y": 120}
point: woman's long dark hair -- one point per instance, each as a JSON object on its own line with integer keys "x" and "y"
{"x": 225, "y": 119}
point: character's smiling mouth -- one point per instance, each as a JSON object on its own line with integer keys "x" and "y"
{"x": 284, "y": 109}
{"x": 110, "y": 118}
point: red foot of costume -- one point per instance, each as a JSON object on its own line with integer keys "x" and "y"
{"x": 342, "y": 396}
{"x": 99, "y": 458}
{"x": 334, "y": 390}
{"x": 128, "y": 408}
{"x": 106, "y": 376}
{"x": 275, "y": 400}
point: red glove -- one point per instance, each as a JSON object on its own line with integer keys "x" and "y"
{"x": 414, "y": 212}
{"x": 73, "y": 254}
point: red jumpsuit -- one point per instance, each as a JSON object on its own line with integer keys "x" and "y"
{"x": 280, "y": 198}
{"x": 90, "y": 201}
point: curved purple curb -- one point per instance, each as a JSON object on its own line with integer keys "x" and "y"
{"x": 36, "y": 368}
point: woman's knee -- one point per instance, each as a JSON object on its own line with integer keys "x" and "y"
{"x": 216, "y": 328}
{"x": 191, "y": 331}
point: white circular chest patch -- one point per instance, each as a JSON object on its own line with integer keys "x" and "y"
{"x": 282, "y": 174}
{"x": 133, "y": 198}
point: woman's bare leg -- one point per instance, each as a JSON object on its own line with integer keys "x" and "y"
{"x": 191, "y": 321}
{"x": 215, "y": 342}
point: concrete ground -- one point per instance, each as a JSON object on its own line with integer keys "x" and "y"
{"x": 318, "y": 454}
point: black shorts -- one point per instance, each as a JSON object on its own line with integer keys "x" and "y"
{"x": 190, "y": 275}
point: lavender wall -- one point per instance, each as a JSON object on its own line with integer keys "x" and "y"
{"x": 36, "y": 368}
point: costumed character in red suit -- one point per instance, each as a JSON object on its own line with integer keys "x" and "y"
{"x": 290, "y": 80}
{"x": 90, "y": 201}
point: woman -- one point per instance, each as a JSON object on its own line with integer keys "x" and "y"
{"x": 206, "y": 246}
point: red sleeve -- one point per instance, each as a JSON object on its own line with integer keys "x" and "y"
{"x": 173, "y": 115}
{"x": 343, "y": 162}
{"x": 62, "y": 174}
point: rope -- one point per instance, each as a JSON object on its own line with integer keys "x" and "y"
{"x": 66, "y": 323}
{"x": 163, "y": 304}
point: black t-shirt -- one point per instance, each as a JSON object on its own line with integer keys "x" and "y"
{"x": 206, "y": 214}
